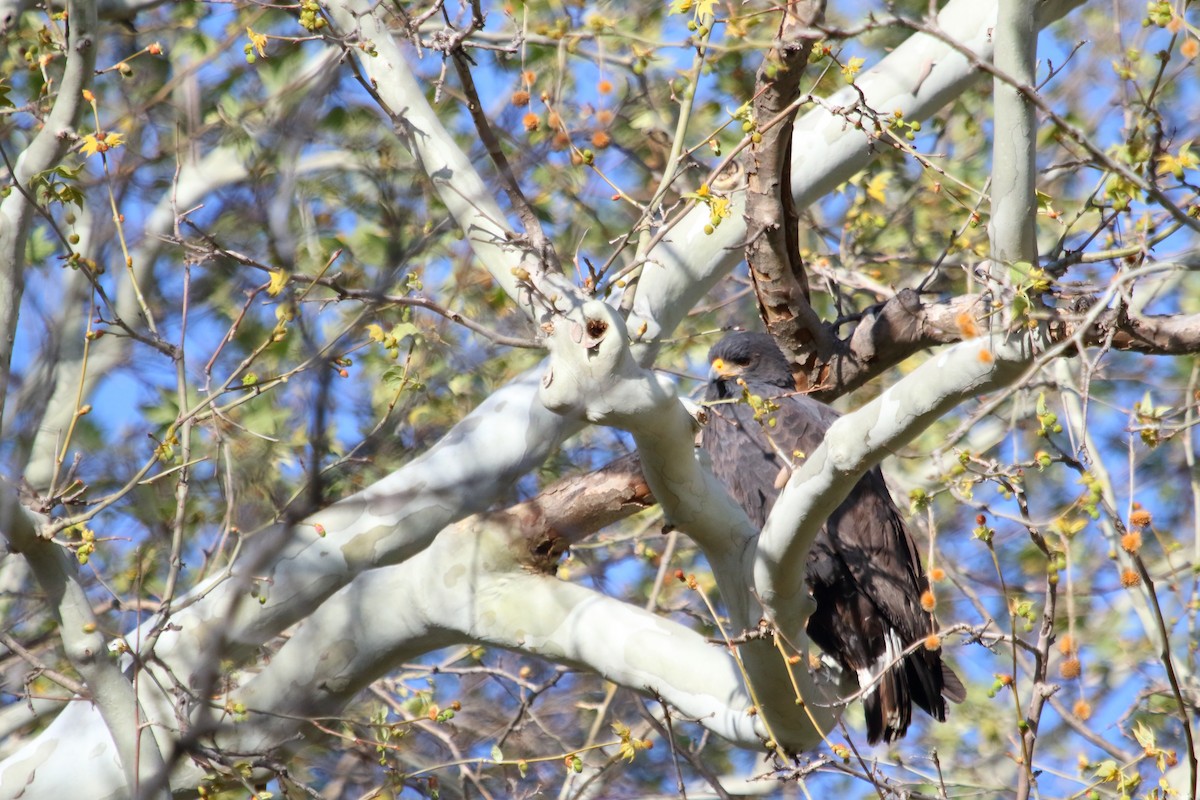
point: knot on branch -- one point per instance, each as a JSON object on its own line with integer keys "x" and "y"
{"x": 592, "y": 374}
{"x": 899, "y": 320}
{"x": 546, "y": 551}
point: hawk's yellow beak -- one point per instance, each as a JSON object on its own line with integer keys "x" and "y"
{"x": 720, "y": 369}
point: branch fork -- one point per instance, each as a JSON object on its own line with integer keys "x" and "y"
{"x": 594, "y": 376}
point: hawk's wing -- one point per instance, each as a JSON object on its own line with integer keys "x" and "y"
{"x": 753, "y": 457}
{"x": 863, "y": 569}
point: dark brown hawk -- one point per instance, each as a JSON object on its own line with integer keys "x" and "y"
{"x": 863, "y": 570}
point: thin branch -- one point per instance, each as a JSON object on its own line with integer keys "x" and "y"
{"x": 65, "y": 681}
{"x": 1172, "y": 675}
{"x": 541, "y": 245}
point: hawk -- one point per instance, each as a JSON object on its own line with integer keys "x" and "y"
{"x": 863, "y": 569}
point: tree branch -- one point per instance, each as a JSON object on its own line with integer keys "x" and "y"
{"x": 1013, "y": 227}
{"x": 1174, "y": 335}
{"x": 574, "y": 508}
{"x": 111, "y": 693}
{"x": 46, "y": 150}
{"x": 889, "y": 333}
{"x": 772, "y": 249}
{"x": 472, "y": 587}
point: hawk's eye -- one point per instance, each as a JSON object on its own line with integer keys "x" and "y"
{"x": 741, "y": 361}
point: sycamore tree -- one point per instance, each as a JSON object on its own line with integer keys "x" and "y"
{"x": 349, "y": 365}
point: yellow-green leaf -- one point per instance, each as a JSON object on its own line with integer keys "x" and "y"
{"x": 719, "y": 207}
{"x": 1108, "y": 771}
{"x": 1176, "y": 164}
{"x": 258, "y": 40}
{"x": 852, "y": 68}
{"x": 877, "y": 187}
{"x": 1144, "y": 736}
{"x": 279, "y": 279}
{"x": 1069, "y": 525}
{"x": 101, "y": 142}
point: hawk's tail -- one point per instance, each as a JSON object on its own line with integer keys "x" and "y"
{"x": 921, "y": 677}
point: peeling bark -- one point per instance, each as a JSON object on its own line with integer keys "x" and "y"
{"x": 772, "y": 249}
{"x": 572, "y": 509}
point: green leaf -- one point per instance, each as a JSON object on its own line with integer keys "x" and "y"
{"x": 402, "y": 330}
{"x": 1144, "y": 736}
